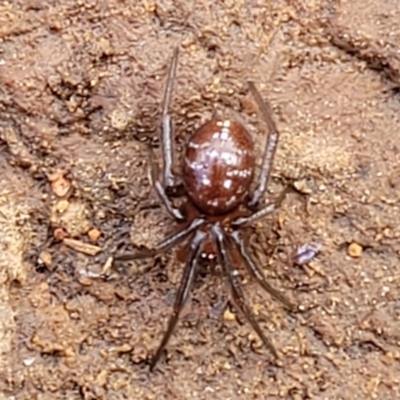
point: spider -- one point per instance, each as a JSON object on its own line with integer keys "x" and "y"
{"x": 218, "y": 169}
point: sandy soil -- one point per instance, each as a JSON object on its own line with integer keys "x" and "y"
{"x": 80, "y": 89}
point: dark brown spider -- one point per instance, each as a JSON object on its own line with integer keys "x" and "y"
{"x": 218, "y": 169}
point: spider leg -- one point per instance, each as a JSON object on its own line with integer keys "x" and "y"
{"x": 166, "y": 244}
{"x": 268, "y": 209}
{"x": 168, "y": 184}
{"x": 257, "y": 272}
{"x": 161, "y": 189}
{"x": 189, "y": 274}
{"x": 237, "y": 292}
{"x": 270, "y": 147}
{"x": 168, "y": 177}
{"x": 246, "y": 221}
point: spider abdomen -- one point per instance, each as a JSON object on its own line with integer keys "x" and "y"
{"x": 218, "y": 166}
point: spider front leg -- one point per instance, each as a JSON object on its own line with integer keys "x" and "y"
{"x": 170, "y": 181}
{"x": 270, "y": 147}
{"x": 168, "y": 185}
{"x": 168, "y": 177}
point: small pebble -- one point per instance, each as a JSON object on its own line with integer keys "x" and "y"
{"x": 94, "y": 235}
{"x": 303, "y": 186}
{"x": 354, "y": 250}
{"x": 62, "y": 206}
{"x": 85, "y": 281}
{"x": 59, "y": 184}
{"x": 59, "y": 234}
{"x": 119, "y": 119}
{"x": 229, "y": 316}
{"x": 45, "y": 258}
{"x": 29, "y": 361}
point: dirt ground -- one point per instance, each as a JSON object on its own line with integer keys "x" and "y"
{"x": 81, "y": 84}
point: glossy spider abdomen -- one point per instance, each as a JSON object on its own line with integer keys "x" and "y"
{"x": 218, "y": 166}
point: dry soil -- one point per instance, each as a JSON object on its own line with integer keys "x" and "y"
{"x": 81, "y": 84}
